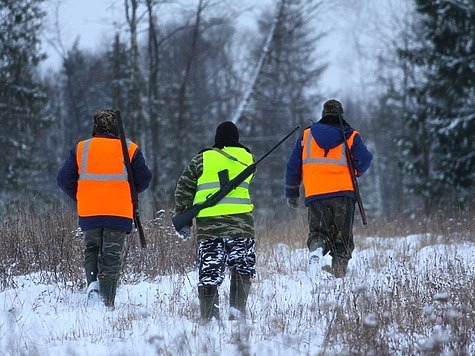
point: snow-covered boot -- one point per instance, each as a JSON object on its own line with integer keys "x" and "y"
{"x": 92, "y": 290}
{"x": 315, "y": 262}
{"x": 239, "y": 292}
{"x": 92, "y": 293}
{"x": 209, "y": 302}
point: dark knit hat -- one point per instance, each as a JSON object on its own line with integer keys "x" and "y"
{"x": 227, "y": 134}
{"x": 105, "y": 122}
{"x": 332, "y": 107}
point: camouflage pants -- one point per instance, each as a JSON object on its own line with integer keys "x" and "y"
{"x": 215, "y": 253}
{"x": 103, "y": 248}
{"x": 331, "y": 226}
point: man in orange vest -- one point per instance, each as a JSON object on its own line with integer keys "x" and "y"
{"x": 318, "y": 160}
{"x": 95, "y": 176}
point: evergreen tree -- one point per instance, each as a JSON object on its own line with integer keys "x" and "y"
{"x": 86, "y": 88}
{"x": 443, "y": 117}
{"x": 22, "y": 98}
{"x": 391, "y": 132}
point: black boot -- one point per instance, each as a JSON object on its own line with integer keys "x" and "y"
{"x": 209, "y": 302}
{"x": 339, "y": 266}
{"x": 91, "y": 272}
{"x": 239, "y": 291}
{"x": 107, "y": 290}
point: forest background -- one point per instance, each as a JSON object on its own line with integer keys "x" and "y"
{"x": 178, "y": 69}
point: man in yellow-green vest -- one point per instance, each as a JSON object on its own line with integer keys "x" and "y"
{"x": 225, "y": 231}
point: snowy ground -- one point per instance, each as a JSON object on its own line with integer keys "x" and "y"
{"x": 288, "y": 314}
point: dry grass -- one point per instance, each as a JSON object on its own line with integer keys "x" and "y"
{"x": 406, "y": 309}
{"x": 454, "y": 223}
{"x": 34, "y": 240}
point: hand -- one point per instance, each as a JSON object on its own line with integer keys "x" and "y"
{"x": 184, "y": 233}
{"x": 293, "y": 203}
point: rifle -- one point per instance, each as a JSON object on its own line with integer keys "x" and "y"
{"x": 133, "y": 190}
{"x": 186, "y": 217}
{"x": 352, "y": 173}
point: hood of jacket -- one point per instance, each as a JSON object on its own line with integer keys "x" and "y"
{"x": 329, "y": 136}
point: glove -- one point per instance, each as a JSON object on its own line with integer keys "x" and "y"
{"x": 293, "y": 203}
{"x": 184, "y": 233}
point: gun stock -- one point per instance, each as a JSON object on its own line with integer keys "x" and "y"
{"x": 138, "y": 225}
{"x": 133, "y": 191}
{"x": 352, "y": 174}
{"x": 186, "y": 217}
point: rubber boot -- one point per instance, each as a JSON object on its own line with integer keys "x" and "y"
{"x": 209, "y": 302}
{"x": 91, "y": 272}
{"x": 339, "y": 266}
{"x": 107, "y": 290}
{"x": 92, "y": 290}
{"x": 239, "y": 292}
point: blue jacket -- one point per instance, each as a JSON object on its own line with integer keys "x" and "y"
{"x": 327, "y": 136}
{"x": 68, "y": 181}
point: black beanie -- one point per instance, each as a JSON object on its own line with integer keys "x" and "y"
{"x": 227, "y": 134}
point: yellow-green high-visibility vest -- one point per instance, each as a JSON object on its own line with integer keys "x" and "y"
{"x": 238, "y": 200}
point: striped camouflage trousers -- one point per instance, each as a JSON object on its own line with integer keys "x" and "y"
{"x": 103, "y": 248}
{"x": 216, "y": 253}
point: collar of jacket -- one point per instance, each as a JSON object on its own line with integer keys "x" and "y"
{"x": 237, "y": 144}
{"x": 105, "y": 135}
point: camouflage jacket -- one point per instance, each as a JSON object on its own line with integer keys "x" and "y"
{"x": 230, "y": 226}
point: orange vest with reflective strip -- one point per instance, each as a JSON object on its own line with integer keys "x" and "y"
{"x": 103, "y": 187}
{"x": 322, "y": 174}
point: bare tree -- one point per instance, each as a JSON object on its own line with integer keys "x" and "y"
{"x": 153, "y": 93}
{"x": 282, "y": 94}
{"x": 257, "y": 70}
{"x": 134, "y": 110}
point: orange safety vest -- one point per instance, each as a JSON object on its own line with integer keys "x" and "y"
{"x": 103, "y": 187}
{"x": 323, "y": 174}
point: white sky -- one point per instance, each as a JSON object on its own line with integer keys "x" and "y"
{"x": 94, "y": 21}
{"x": 89, "y": 21}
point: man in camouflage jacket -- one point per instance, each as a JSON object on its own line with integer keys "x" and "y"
{"x": 224, "y": 232}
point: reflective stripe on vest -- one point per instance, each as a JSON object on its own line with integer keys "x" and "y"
{"x": 238, "y": 200}
{"x": 324, "y": 160}
{"x": 216, "y": 185}
{"x": 103, "y": 187}
{"x": 324, "y": 171}
{"x": 95, "y": 176}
